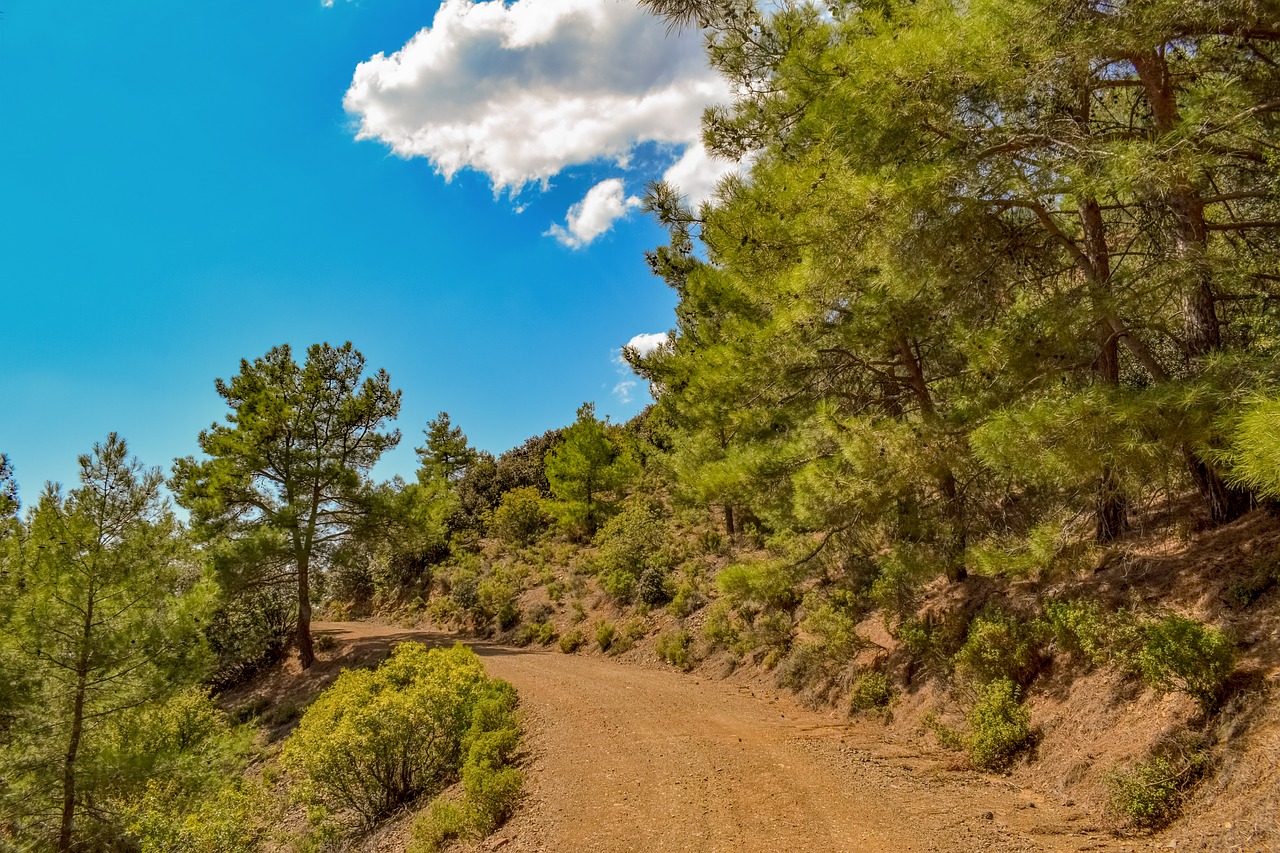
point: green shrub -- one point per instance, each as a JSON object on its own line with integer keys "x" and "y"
{"x": 620, "y": 584}
{"x": 520, "y": 517}
{"x": 491, "y": 794}
{"x": 999, "y": 727}
{"x": 758, "y": 586}
{"x": 168, "y": 820}
{"x": 378, "y": 739}
{"x": 629, "y": 544}
{"x": 1182, "y": 654}
{"x": 1081, "y": 627}
{"x": 250, "y": 632}
{"x": 686, "y": 601}
{"x": 871, "y": 692}
{"x": 605, "y": 633}
{"x": 1150, "y": 794}
{"x": 464, "y": 589}
{"x": 496, "y": 601}
{"x": 720, "y": 629}
{"x": 676, "y": 648}
{"x": 772, "y": 633}
{"x": 900, "y": 575}
{"x": 443, "y": 611}
{"x": 654, "y": 586}
{"x": 948, "y": 737}
{"x": 628, "y": 633}
{"x": 573, "y": 640}
{"x": 541, "y": 633}
{"x": 443, "y": 821}
{"x": 1000, "y": 646}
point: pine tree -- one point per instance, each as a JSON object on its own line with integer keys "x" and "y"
{"x": 287, "y": 478}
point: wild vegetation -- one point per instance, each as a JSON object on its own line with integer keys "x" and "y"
{"x": 972, "y": 384}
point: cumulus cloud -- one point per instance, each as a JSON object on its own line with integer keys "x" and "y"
{"x": 603, "y": 205}
{"x": 647, "y": 342}
{"x": 519, "y": 92}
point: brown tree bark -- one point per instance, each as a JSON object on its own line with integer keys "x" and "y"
{"x": 954, "y": 498}
{"x": 1202, "y": 330}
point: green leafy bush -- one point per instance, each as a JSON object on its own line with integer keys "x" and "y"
{"x": 629, "y": 545}
{"x": 999, "y": 727}
{"x": 605, "y": 633}
{"x": 720, "y": 630}
{"x": 687, "y": 600}
{"x": 871, "y": 692}
{"x": 676, "y": 648}
{"x": 496, "y": 600}
{"x": 1080, "y": 626}
{"x": 573, "y": 640}
{"x": 520, "y": 517}
{"x": 758, "y": 586}
{"x": 168, "y": 820}
{"x": 999, "y": 646}
{"x": 250, "y": 632}
{"x": 1151, "y": 793}
{"x": 443, "y": 821}
{"x": 654, "y": 586}
{"x": 541, "y": 633}
{"x": 380, "y": 738}
{"x": 628, "y": 633}
{"x": 1181, "y": 654}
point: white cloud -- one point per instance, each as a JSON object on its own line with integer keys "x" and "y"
{"x": 646, "y": 343}
{"x": 696, "y": 173}
{"x": 623, "y": 390}
{"x": 603, "y": 205}
{"x": 519, "y": 92}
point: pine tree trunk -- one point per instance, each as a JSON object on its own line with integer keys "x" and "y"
{"x": 1202, "y": 331}
{"x": 306, "y": 651}
{"x": 1112, "y": 516}
{"x": 728, "y": 520}
{"x": 66, "y": 831}
{"x": 957, "y": 537}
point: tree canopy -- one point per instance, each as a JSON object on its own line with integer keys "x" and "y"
{"x": 286, "y": 477}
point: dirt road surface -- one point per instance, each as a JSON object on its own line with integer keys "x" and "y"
{"x": 624, "y": 758}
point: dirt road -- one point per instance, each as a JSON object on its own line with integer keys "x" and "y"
{"x": 624, "y": 758}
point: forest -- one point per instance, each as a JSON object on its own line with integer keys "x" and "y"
{"x": 972, "y": 399}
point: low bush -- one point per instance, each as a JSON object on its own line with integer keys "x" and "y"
{"x": 999, "y": 646}
{"x": 871, "y": 692}
{"x": 999, "y": 727}
{"x": 630, "y": 544}
{"x": 1081, "y": 627}
{"x": 541, "y": 633}
{"x": 654, "y": 586}
{"x": 686, "y": 601}
{"x": 605, "y": 633}
{"x": 232, "y": 819}
{"x": 628, "y": 633}
{"x": 1150, "y": 794}
{"x": 249, "y": 633}
{"x": 520, "y": 517}
{"x": 1181, "y": 654}
{"x": 720, "y": 629}
{"x": 758, "y": 586}
{"x": 496, "y": 601}
{"x": 676, "y": 648}
{"x": 378, "y": 739}
{"x": 573, "y": 640}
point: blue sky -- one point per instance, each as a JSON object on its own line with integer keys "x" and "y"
{"x": 182, "y": 187}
